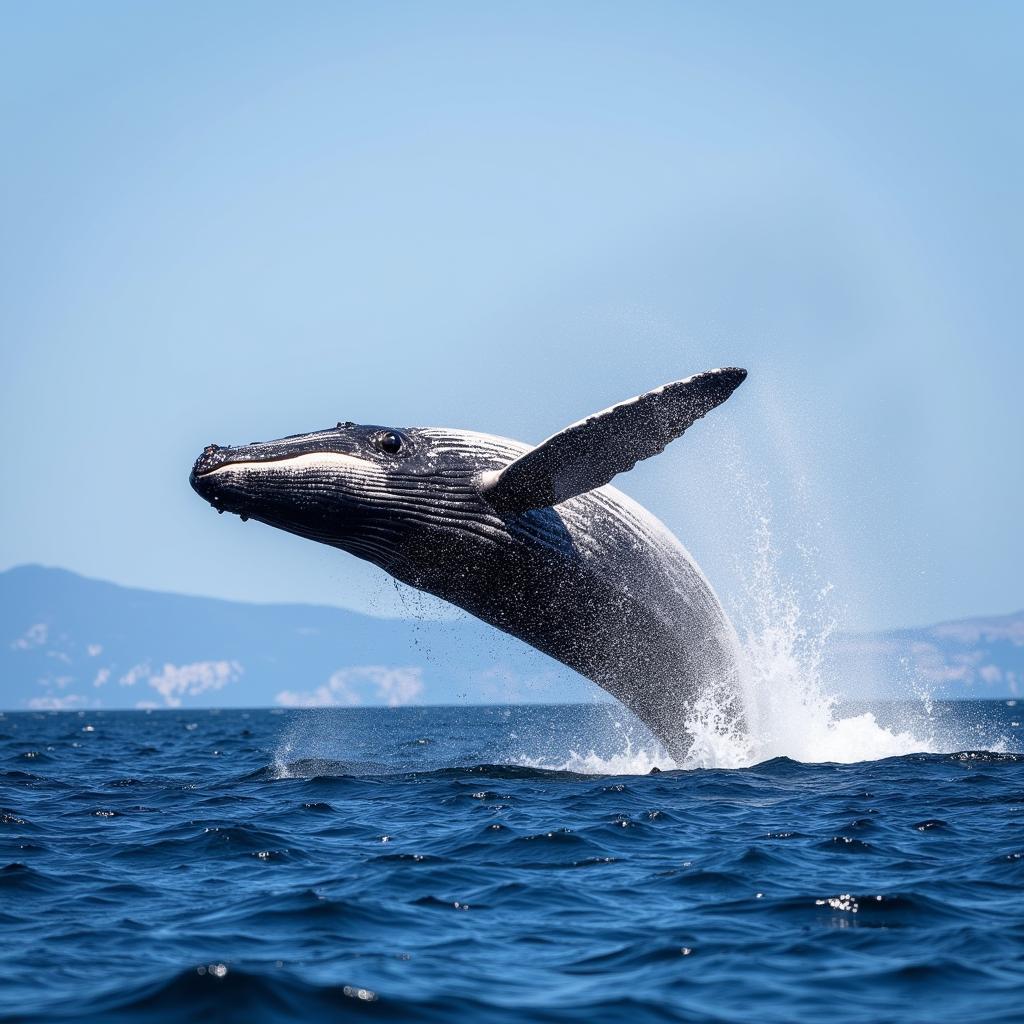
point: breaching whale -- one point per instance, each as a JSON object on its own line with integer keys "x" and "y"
{"x": 531, "y": 539}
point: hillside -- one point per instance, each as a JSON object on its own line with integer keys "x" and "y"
{"x": 71, "y": 642}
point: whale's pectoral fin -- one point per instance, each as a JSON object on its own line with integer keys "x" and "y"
{"x": 590, "y": 453}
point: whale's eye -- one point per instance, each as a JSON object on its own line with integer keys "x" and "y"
{"x": 390, "y": 442}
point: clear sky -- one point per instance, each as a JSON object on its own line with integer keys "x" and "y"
{"x": 227, "y": 221}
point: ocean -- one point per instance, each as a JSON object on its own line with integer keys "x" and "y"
{"x": 514, "y": 863}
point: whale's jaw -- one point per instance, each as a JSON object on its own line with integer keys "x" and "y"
{"x": 378, "y": 493}
{"x": 242, "y": 484}
{"x": 322, "y": 474}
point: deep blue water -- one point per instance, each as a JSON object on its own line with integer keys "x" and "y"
{"x": 392, "y": 864}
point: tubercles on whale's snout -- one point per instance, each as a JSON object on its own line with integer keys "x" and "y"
{"x": 212, "y": 456}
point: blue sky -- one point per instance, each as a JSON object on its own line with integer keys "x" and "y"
{"x": 235, "y": 221}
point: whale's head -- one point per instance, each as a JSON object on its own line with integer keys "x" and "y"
{"x": 420, "y": 501}
{"x": 377, "y": 492}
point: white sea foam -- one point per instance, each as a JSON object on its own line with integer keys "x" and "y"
{"x": 631, "y": 759}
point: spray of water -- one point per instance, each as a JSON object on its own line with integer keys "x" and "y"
{"x": 790, "y": 708}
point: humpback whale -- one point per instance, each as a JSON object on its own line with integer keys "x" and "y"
{"x": 531, "y": 539}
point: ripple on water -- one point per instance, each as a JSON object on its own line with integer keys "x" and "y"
{"x": 444, "y": 885}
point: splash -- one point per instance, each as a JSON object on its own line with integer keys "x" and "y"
{"x": 790, "y": 708}
{"x": 634, "y": 757}
{"x": 281, "y": 769}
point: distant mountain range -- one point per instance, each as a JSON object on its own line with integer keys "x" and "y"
{"x": 71, "y": 642}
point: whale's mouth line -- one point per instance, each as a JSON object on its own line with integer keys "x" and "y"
{"x": 303, "y": 458}
{"x": 233, "y": 465}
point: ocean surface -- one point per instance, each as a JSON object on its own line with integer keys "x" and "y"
{"x": 505, "y": 864}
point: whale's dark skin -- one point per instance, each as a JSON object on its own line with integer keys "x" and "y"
{"x": 531, "y": 540}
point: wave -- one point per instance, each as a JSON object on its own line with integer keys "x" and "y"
{"x": 632, "y": 761}
{"x": 221, "y": 992}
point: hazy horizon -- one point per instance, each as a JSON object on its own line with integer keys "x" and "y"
{"x": 72, "y": 642}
